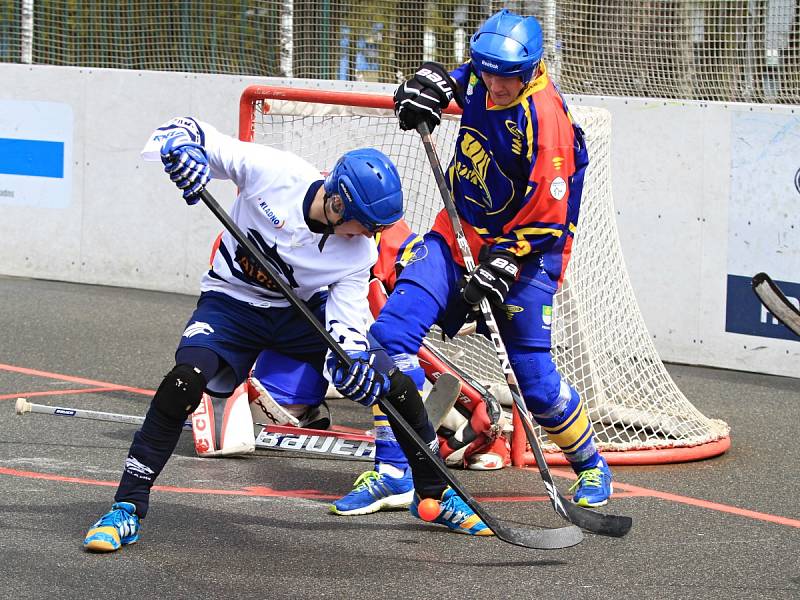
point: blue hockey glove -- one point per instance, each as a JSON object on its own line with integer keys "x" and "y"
{"x": 362, "y": 382}
{"x": 422, "y": 98}
{"x": 186, "y": 164}
{"x": 492, "y": 278}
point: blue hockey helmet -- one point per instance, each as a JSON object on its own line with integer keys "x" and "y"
{"x": 368, "y": 183}
{"x": 507, "y": 45}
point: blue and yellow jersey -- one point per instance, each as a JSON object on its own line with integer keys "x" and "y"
{"x": 517, "y": 172}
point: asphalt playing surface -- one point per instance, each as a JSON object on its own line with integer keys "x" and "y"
{"x": 258, "y": 527}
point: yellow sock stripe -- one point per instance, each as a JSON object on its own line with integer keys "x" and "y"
{"x": 379, "y": 418}
{"x": 588, "y": 433}
{"x": 572, "y": 432}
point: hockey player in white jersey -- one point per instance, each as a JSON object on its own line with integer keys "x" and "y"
{"x": 316, "y": 233}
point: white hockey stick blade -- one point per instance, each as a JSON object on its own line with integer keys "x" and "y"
{"x": 442, "y": 398}
{"x": 776, "y": 302}
{"x": 336, "y": 444}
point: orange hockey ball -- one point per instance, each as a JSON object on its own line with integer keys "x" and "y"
{"x": 428, "y": 509}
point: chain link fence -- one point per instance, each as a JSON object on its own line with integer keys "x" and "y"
{"x": 726, "y": 50}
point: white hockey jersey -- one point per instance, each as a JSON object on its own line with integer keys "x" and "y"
{"x": 269, "y": 210}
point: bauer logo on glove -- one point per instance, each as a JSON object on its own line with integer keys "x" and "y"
{"x": 422, "y": 98}
{"x": 492, "y": 278}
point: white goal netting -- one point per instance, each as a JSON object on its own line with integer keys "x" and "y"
{"x": 601, "y": 344}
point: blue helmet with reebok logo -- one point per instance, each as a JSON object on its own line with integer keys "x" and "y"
{"x": 368, "y": 183}
{"x": 507, "y": 45}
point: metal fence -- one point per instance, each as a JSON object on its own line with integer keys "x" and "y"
{"x": 729, "y": 50}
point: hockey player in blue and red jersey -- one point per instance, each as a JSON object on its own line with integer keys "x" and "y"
{"x": 475, "y": 439}
{"x": 517, "y": 179}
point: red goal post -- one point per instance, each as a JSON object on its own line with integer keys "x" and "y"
{"x": 600, "y": 342}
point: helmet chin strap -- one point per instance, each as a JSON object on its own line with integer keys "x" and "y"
{"x": 328, "y": 201}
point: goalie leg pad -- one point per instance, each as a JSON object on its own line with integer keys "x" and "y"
{"x": 223, "y": 427}
{"x": 467, "y": 440}
{"x": 265, "y": 409}
{"x": 179, "y": 393}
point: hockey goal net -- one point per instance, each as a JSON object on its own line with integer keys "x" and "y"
{"x": 600, "y": 341}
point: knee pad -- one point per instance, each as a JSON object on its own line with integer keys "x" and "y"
{"x": 555, "y": 405}
{"x": 540, "y": 383}
{"x": 180, "y": 392}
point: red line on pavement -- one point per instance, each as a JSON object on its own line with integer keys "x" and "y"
{"x": 72, "y": 379}
{"x": 114, "y": 388}
{"x": 246, "y": 491}
{"x": 632, "y": 491}
{"x": 742, "y": 512}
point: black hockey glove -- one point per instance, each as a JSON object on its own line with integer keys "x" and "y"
{"x": 492, "y": 278}
{"x": 422, "y": 98}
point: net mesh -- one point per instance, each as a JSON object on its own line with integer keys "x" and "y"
{"x": 737, "y": 50}
{"x": 601, "y": 344}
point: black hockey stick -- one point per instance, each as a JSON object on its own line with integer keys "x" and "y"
{"x": 776, "y": 302}
{"x": 590, "y": 520}
{"x": 543, "y": 539}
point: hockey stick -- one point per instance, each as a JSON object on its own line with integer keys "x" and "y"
{"x": 589, "y": 520}
{"x": 776, "y": 302}
{"x": 336, "y": 444}
{"x": 528, "y": 538}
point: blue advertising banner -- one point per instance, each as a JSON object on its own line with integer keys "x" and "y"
{"x": 34, "y": 158}
{"x": 36, "y": 140}
{"x": 745, "y": 313}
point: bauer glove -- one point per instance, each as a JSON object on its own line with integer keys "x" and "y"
{"x": 186, "y": 164}
{"x": 422, "y": 98}
{"x": 492, "y": 278}
{"x": 361, "y": 382}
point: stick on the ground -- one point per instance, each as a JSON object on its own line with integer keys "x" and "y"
{"x": 334, "y": 444}
{"x": 526, "y": 537}
{"x": 317, "y": 442}
{"x": 589, "y": 520}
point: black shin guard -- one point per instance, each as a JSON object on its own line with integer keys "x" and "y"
{"x": 405, "y": 398}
